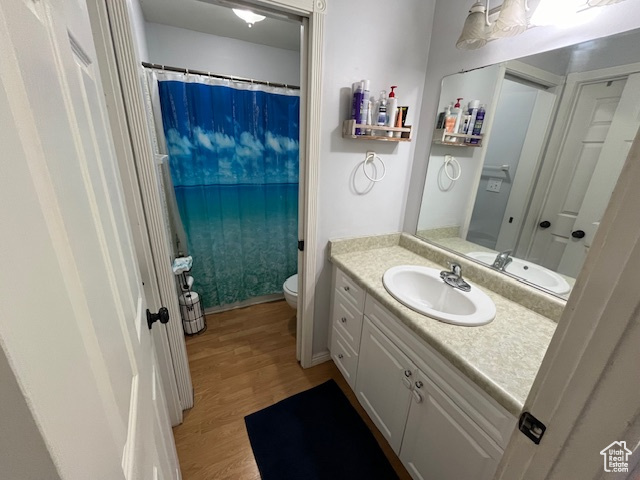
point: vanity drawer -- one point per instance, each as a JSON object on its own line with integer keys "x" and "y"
{"x": 344, "y": 357}
{"x": 347, "y": 319}
{"x": 349, "y": 289}
{"x": 476, "y": 403}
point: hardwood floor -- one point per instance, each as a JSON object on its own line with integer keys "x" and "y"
{"x": 244, "y": 362}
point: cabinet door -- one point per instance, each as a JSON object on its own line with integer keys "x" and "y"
{"x": 441, "y": 442}
{"x": 383, "y": 383}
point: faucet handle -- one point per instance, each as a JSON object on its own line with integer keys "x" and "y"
{"x": 456, "y": 269}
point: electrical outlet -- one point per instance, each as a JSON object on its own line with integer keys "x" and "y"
{"x": 494, "y": 184}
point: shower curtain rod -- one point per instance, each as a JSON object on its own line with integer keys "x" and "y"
{"x": 156, "y": 66}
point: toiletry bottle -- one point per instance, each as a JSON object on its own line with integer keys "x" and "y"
{"x": 447, "y": 114}
{"x": 398, "y": 123}
{"x": 450, "y": 121}
{"x": 354, "y": 88}
{"x": 457, "y": 111}
{"x": 369, "y": 120}
{"x": 382, "y": 109}
{"x": 473, "y": 112}
{"x": 357, "y": 105}
{"x": 364, "y": 106}
{"x": 441, "y": 119}
{"x": 477, "y": 126}
{"x": 392, "y": 109}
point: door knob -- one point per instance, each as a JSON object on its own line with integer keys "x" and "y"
{"x": 162, "y": 315}
{"x": 578, "y": 234}
{"x": 545, "y": 224}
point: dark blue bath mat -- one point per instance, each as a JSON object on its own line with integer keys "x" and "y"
{"x": 315, "y": 435}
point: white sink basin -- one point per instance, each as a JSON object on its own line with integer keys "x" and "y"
{"x": 422, "y": 290}
{"x": 541, "y": 276}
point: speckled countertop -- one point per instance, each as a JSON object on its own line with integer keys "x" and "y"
{"x": 502, "y": 358}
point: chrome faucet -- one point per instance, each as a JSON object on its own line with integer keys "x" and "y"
{"x": 502, "y": 260}
{"x": 454, "y": 278}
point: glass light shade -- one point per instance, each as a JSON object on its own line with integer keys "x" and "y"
{"x": 248, "y": 16}
{"x": 512, "y": 19}
{"x": 474, "y": 32}
{"x": 565, "y": 13}
{"x": 602, "y": 3}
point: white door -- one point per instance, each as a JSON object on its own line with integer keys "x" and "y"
{"x": 441, "y": 442}
{"x": 615, "y": 150}
{"x": 383, "y": 384}
{"x": 73, "y": 317}
{"x": 593, "y": 113}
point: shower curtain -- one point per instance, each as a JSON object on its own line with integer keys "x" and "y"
{"x": 233, "y": 157}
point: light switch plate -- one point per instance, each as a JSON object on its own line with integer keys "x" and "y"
{"x": 494, "y": 184}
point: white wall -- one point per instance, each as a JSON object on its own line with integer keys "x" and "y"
{"x": 178, "y": 47}
{"x": 376, "y": 40}
{"x": 138, "y": 29}
{"x": 23, "y": 453}
{"x": 445, "y": 59}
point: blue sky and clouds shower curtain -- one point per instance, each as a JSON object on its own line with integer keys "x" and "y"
{"x": 234, "y": 155}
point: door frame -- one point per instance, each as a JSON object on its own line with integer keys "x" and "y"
{"x": 126, "y": 68}
{"x": 550, "y": 83}
{"x": 557, "y": 139}
{"x": 123, "y": 93}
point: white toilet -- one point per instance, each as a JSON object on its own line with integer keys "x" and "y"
{"x": 290, "y": 289}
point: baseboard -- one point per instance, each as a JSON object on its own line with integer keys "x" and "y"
{"x": 245, "y": 303}
{"x": 321, "y": 357}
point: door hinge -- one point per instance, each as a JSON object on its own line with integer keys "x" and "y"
{"x": 301, "y": 245}
{"x": 531, "y": 427}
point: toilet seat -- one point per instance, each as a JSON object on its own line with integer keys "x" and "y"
{"x": 290, "y": 290}
{"x": 291, "y": 284}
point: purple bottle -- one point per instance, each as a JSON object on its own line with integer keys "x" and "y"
{"x": 477, "y": 126}
{"x": 356, "y": 106}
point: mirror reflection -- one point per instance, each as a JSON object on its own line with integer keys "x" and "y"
{"x": 526, "y": 197}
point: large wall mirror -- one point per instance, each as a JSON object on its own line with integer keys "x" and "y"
{"x": 527, "y": 198}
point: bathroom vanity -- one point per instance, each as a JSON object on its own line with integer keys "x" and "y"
{"x": 445, "y": 397}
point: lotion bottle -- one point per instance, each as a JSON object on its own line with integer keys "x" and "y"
{"x": 457, "y": 111}
{"x": 392, "y": 109}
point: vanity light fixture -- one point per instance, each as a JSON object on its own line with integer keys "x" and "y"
{"x": 248, "y": 16}
{"x": 512, "y": 19}
{"x": 567, "y": 13}
{"x": 474, "y": 32}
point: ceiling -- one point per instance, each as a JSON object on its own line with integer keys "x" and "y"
{"x": 218, "y": 20}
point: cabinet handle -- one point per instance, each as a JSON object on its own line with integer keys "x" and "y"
{"x": 416, "y": 396}
{"x": 407, "y": 373}
{"x": 340, "y": 356}
{"x": 407, "y": 383}
{"x": 419, "y": 384}
{"x": 346, "y": 289}
{"x": 343, "y": 319}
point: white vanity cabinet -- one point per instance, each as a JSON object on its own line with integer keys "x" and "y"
{"x": 441, "y": 425}
{"x": 384, "y": 383}
{"x": 346, "y": 325}
{"x": 441, "y": 442}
